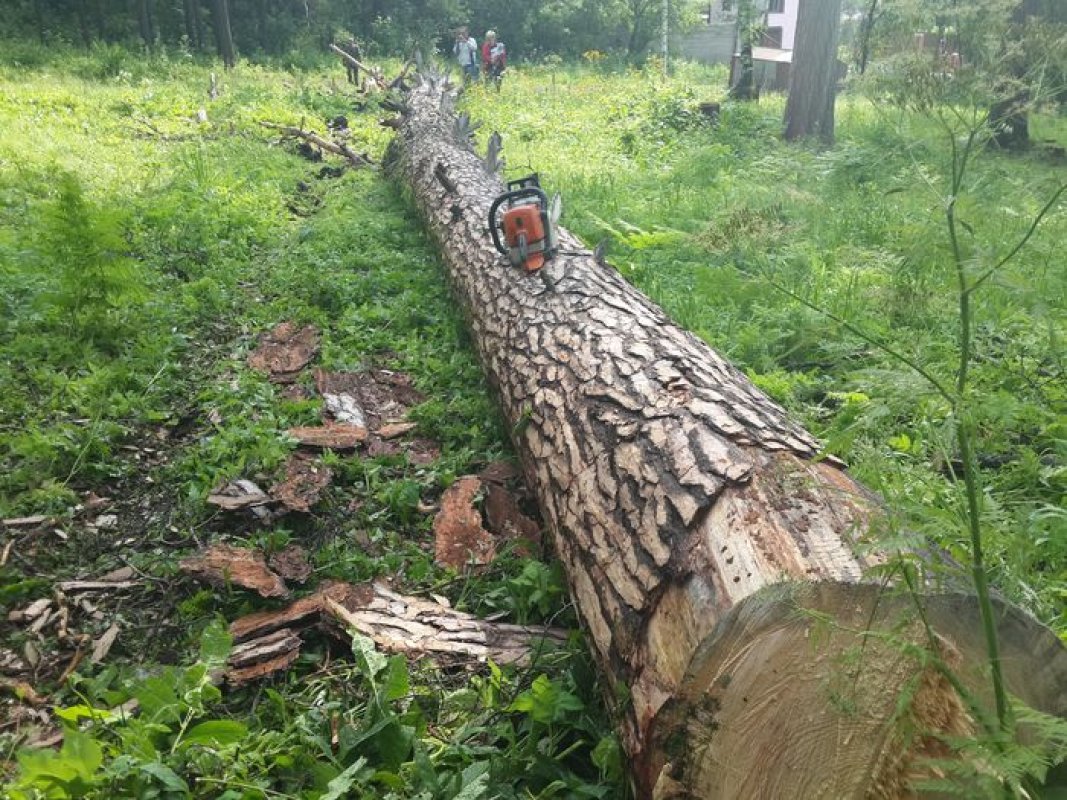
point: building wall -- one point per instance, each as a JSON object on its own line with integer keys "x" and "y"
{"x": 786, "y": 19}
{"x": 708, "y": 44}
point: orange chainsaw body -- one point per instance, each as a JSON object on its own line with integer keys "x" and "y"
{"x": 520, "y": 226}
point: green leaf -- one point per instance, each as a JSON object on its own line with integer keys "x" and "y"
{"x": 369, "y": 661}
{"x": 215, "y": 645}
{"x": 339, "y": 786}
{"x": 159, "y": 702}
{"x": 396, "y": 683}
{"x": 166, "y": 776}
{"x": 475, "y": 789}
{"x": 215, "y": 733}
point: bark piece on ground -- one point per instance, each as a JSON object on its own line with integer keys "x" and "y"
{"x": 102, "y": 646}
{"x": 506, "y": 520}
{"x": 261, "y": 656}
{"x": 238, "y": 494}
{"x": 394, "y": 430}
{"x": 36, "y": 521}
{"x": 409, "y": 625}
{"x": 381, "y": 394}
{"x": 460, "y": 541}
{"x": 223, "y": 565}
{"x": 333, "y": 437}
{"x": 284, "y": 351}
{"x": 95, "y": 586}
{"x": 305, "y": 478}
{"x": 344, "y": 409}
{"x": 301, "y": 612}
{"x": 291, "y": 563}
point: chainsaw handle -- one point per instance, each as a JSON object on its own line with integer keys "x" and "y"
{"x": 517, "y": 194}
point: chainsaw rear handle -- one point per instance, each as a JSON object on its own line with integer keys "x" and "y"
{"x": 517, "y": 194}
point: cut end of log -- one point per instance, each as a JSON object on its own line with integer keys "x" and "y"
{"x": 796, "y": 694}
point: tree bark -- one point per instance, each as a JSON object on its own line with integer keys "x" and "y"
{"x": 144, "y": 23}
{"x": 190, "y": 14}
{"x": 709, "y": 553}
{"x": 223, "y": 37}
{"x": 809, "y": 110}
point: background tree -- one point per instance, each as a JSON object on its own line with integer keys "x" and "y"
{"x": 220, "y": 11}
{"x": 813, "y": 82}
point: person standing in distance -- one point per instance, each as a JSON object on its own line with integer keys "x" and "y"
{"x": 494, "y": 58}
{"x": 466, "y": 51}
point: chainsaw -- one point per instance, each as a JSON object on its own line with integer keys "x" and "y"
{"x": 522, "y": 226}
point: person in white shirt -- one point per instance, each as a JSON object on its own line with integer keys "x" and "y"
{"x": 466, "y": 51}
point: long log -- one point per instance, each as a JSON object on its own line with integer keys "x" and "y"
{"x": 710, "y": 553}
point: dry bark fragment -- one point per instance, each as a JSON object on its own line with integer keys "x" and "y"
{"x": 302, "y": 611}
{"x": 285, "y": 351}
{"x": 396, "y": 429}
{"x": 459, "y": 538}
{"x": 223, "y": 565}
{"x": 238, "y": 494}
{"x": 258, "y": 657}
{"x": 402, "y": 624}
{"x": 305, "y": 478}
{"x": 333, "y": 437}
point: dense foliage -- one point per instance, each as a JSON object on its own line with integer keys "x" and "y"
{"x": 287, "y": 29}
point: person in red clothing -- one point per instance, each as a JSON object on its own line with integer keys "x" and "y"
{"x": 494, "y": 58}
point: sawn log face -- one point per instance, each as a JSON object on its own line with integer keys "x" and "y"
{"x": 673, "y": 487}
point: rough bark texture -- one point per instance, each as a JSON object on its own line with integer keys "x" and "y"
{"x": 692, "y": 520}
{"x": 813, "y": 78}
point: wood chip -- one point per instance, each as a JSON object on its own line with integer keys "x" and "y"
{"x": 25, "y": 522}
{"x": 460, "y": 539}
{"x": 95, "y": 586}
{"x": 305, "y": 478}
{"x": 30, "y": 612}
{"x": 335, "y": 437}
{"x": 396, "y": 429}
{"x": 222, "y": 565}
{"x": 116, "y": 575}
{"x": 102, "y": 646}
{"x": 262, "y": 656}
{"x": 238, "y": 494}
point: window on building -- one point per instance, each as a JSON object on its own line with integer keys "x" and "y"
{"x": 776, "y": 6}
{"x": 771, "y": 37}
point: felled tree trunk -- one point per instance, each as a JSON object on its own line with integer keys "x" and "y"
{"x": 709, "y": 553}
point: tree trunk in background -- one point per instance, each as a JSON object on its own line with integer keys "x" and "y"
{"x": 83, "y": 26}
{"x": 813, "y": 78}
{"x": 190, "y": 14}
{"x": 223, "y": 37}
{"x": 144, "y": 23}
{"x": 865, "y": 33}
{"x": 708, "y": 552}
